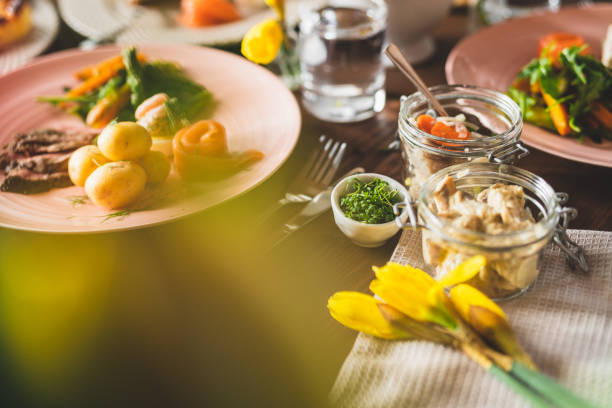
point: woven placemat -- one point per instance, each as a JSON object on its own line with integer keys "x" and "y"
{"x": 564, "y": 321}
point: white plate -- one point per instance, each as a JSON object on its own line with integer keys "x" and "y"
{"x": 255, "y": 107}
{"x": 45, "y": 24}
{"x": 157, "y": 23}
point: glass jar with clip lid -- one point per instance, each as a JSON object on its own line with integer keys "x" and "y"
{"x": 500, "y": 211}
{"x": 494, "y": 120}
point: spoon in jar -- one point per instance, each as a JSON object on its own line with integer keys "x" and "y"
{"x": 397, "y": 57}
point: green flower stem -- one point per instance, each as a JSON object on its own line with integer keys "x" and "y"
{"x": 536, "y": 399}
{"x": 558, "y": 394}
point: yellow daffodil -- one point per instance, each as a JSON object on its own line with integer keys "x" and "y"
{"x": 488, "y": 320}
{"x": 263, "y": 41}
{"x": 464, "y": 296}
{"x": 464, "y": 271}
{"x": 418, "y": 330}
{"x": 412, "y": 292}
{"x": 360, "y": 312}
{"x": 278, "y": 6}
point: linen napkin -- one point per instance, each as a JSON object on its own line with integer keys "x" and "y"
{"x": 564, "y": 322}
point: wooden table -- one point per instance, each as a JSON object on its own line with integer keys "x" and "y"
{"x": 198, "y": 312}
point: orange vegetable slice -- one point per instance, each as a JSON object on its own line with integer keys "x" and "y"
{"x": 425, "y": 122}
{"x": 558, "y": 113}
{"x": 198, "y": 13}
{"x": 200, "y": 152}
{"x": 456, "y": 132}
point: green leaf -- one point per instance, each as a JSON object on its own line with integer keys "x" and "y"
{"x": 533, "y": 111}
{"x": 134, "y": 75}
{"x": 569, "y": 57}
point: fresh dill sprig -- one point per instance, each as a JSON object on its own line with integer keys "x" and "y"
{"x": 119, "y": 215}
{"x": 79, "y": 200}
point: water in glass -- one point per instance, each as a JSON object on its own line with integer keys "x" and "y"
{"x": 340, "y": 51}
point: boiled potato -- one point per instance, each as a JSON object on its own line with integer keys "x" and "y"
{"x": 163, "y": 145}
{"x": 116, "y": 184}
{"x": 156, "y": 165}
{"x": 124, "y": 141}
{"x": 83, "y": 162}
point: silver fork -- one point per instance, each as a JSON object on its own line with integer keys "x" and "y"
{"x": 316, "y": 175}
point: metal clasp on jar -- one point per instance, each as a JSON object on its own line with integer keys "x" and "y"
{"x": 412, "y": 218}
{"x": 574, "y": 254}
{"x": 505, "y": 154}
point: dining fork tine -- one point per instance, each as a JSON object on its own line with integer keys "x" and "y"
{"x": 312, "y": 159}
{"x": 335, "y": 164}
{"x": 299, "y": 190}
{"x": 314, "y": 169}
{"x": 327, "y": 160}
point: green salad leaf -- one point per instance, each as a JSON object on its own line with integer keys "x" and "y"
{"x": 187, "y": 97}
{"x": 577, "y": 81}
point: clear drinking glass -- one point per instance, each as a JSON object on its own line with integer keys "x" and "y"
{"x": 340, "y": 49}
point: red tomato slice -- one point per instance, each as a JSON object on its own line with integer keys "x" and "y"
{"x": 551, "y": 45}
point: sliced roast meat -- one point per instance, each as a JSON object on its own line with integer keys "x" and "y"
{"x": 25, "y": 181}
{"x": 38, "y": 161}
{"x": 44, "y": 163}
{"x": 47, "y": 141}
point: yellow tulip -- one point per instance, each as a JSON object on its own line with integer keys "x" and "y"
{"x": 263, "y": 41}
{"x": 278, "y": 6}
{"x": 412, "y": 292}
{"x": 464, "y": 271}
{"x": 359, "y": 311}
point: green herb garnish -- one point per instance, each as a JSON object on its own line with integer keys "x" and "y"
{"x": 79, "y": 200}
{"x": 371, "y": 202}
{"x": 121, "y": 214}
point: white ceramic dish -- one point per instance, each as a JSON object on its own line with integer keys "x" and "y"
{"x": 157, "y": 23}
{"x": 45, "y": 24}
{"x": 362, "y": 234}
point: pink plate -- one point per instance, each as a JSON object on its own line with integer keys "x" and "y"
{"x": 493, "y": 56}
{"x": 258, "y": 111}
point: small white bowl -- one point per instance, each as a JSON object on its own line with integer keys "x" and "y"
{"x": 362, "y": 234}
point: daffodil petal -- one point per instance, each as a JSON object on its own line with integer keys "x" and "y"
{"x": 464, "y": 271}
{"x": 406, "y": 299}
{"x": 360, "y": 312}
{"x": 262, "y": 42}
{"x": 463, "y": 296}
{"x": 496, "y": 330}
{"x": 278, "y": 6}
{"x": 404, "y": 275}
